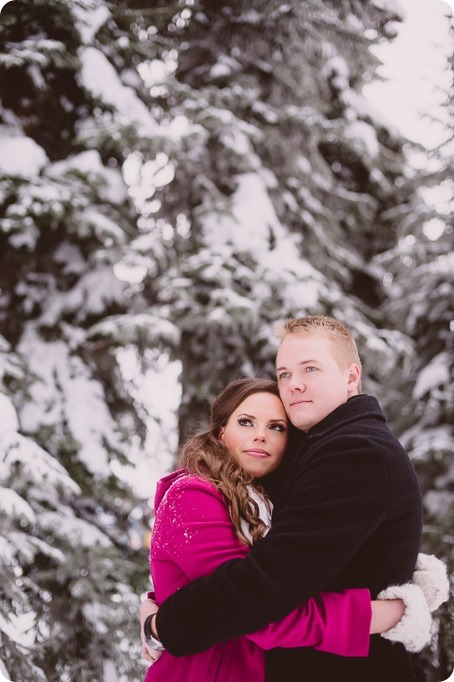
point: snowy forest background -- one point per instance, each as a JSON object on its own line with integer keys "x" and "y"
{"x": 176, "y": 176}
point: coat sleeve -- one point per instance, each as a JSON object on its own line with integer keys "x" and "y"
{"x": 200, "y": 537}
{"x": 334, "y": 622}
{"x": 339, "y": 497}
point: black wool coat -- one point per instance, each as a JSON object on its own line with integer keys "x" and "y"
{"x": 348, "y": 514}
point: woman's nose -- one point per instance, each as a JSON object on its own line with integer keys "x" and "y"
{"x": 260, "y": 434}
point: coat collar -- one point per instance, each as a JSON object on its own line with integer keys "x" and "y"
{"x": 358, "y": 407}
{"x": 165, "y": 483}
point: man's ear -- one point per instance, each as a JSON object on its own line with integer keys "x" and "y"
{"x": 354, "y": 379}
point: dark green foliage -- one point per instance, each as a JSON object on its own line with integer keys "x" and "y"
{"x": 239, "y": 179}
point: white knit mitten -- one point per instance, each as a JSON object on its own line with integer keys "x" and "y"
{"x": 413, "y": 629}
{"x": 432, "y": 577}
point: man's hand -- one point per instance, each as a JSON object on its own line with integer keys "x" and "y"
{"x": 432, "y": 577}
{"x": 147, "y": 608}
{"x": 414, "y": 628}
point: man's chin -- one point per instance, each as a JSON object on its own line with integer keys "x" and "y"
{"x": 301, "y": 424}
{"x": 298, "y": 415}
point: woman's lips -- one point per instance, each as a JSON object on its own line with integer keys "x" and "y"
{"x": 257, "y": 453}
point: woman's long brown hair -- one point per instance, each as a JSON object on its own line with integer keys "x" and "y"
{"x": 204, "y": 455}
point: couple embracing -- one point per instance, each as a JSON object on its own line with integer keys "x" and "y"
{"x": 284, "y": 547}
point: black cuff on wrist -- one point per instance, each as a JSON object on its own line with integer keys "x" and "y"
{"x": 147, "y": 626}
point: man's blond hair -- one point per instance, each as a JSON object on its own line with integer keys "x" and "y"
{"x": 327, "y": 327}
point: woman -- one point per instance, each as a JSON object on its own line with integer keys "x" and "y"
{"x": 211, "y": 511}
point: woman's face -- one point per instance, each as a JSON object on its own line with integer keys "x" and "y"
{"x": 256, "y": 433}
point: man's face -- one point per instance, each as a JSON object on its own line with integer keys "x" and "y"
{"x": 312, "y": 380}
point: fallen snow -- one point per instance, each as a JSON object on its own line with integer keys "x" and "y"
{"x": 435, "y": 374}
{"x": 9, "y": 420}
{"x": 13, "y": 506}
{"x": 112, "y": 187}
{"x": 65, "y": 393}
{"x": 90, "y": 15}
{"x": 21, "y": 157}
{"x": 35, "y": 464}
{"x": 100, "y": 78}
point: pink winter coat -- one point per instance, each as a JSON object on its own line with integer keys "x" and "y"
{"x": 192, "y": 535}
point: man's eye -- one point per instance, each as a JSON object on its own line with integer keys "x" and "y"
{"x": 283, "y": 375}
{"x": 311, "y": 369}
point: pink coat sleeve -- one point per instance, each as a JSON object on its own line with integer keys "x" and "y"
{"x": 199, "y": 537}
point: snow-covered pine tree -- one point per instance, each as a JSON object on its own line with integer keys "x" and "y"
{"x": 418, "y": 273}
{"x": 71, "y": 110}
{"x": 266, "y": 186}
{"x": 275, "y": 193}
{"x": 285, "y": 194}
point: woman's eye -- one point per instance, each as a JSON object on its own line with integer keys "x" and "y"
{"x": 278, "y": 427}
{"x": 244, "y": 422}
{"x": 311, "y": 369}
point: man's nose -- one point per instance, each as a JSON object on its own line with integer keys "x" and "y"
{"x": 296, "y": 384}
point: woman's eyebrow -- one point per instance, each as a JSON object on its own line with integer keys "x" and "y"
{"x": 251, "y": 416}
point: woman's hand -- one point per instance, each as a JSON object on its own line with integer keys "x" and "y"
{"x": 147, "y": 608}
{"x": 150, "y": 655}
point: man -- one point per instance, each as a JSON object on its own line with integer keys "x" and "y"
{"x": 349, "y": 514}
